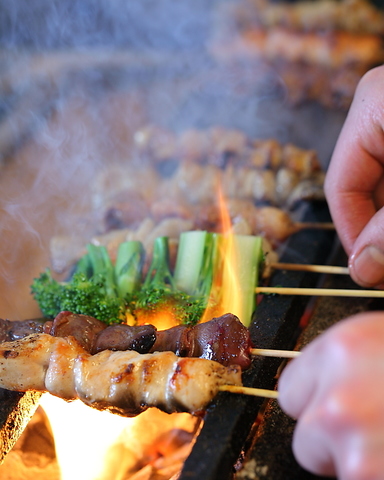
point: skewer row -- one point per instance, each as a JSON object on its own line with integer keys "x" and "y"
{"x": 261, "y": 392}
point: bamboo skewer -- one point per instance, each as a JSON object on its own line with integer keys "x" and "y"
{"x": 316, "y": 225}
{"x": 326, "y": 292}
{"x": 310, "y": 268}
{"x": 261, "y": 392}
{"x": 266, "y": 352}
{"x": 256, "y": 392}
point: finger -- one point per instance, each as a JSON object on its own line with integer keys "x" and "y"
{"x": 357, "y": 163}
{"x": 366, "y": 262}
{"x": 361, "y": 456}
{"x": 296, "y": 385}
{"x": 312, "y": 448}
{"x": 328, "y": 358}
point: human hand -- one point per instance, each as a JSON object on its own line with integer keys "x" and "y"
{"x": 335, "y": 390}
{"x": 354, "y": 184}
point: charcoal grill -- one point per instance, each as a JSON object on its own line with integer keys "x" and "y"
{"x": 229, "y": 437}
{"x": 232, "y": 437}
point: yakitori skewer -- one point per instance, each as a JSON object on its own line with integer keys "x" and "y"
{"x": 325, "y": 292}
{"x": 310, "y": 268}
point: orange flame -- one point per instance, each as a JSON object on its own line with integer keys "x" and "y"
{"x": 97, "y": 449}
{"x": 162, "y": 318}
{"x": 97, "y": 445}
{"x": 225, "y": 294}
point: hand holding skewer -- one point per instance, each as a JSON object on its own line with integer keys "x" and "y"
{"x": 334, "y": 389}
{"x": 354, "y": 182}
{"x": 334, "y": 393}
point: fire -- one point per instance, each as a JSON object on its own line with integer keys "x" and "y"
{"x": 162, "y": 318}
{"x": 83, "y": 437}
{"x": 225, "y": 293}
{"x": 95, "y": 445}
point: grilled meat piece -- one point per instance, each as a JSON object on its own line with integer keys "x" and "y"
{"x": 95, "y": 336}
{"x": 125, "y": 383}
{"x": 83, "y": 328}
{"x": 13, "y": 330}
{"x": 223, "y": 339}
{"x": 124, "y": 337}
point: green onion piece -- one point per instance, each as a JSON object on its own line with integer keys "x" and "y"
{"x": 248, "y": 255}
{"x": 191, "y": 255}
{"x": 159, "y": 272}
{"x": 128, "y": 267}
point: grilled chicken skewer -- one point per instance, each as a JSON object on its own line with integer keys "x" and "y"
{"x": 123, "y": 382}
{"x": 223, "y": 339}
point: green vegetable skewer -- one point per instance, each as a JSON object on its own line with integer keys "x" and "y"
{"x": 202, "y": 284}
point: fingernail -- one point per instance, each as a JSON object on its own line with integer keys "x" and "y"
{"x": 367, "y": 267}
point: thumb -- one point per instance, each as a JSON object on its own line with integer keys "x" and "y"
{"x": 366, "y": 262}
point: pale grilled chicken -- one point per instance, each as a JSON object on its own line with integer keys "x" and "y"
{"x": 217, "y": 147}
{"x": 356, "y": 16}
{"x": 125, "y": 383}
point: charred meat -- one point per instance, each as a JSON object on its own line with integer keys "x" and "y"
{"x": 125, "y": 383}
{"x": 223, "y": 339}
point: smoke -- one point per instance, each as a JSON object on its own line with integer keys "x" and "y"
{"x": 78, "y": 77}
{"x": 138, "y": 24}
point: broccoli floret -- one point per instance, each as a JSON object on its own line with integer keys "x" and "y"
{"x": 48, "y": 293}
{"x": 148, "y": 301}
{"x": 97, "y": 288}
{"x": 158, "y": 292}
{"x": 79, "y": 295}
{"x": 89, "y": 297}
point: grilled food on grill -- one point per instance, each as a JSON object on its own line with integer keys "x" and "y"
{"x": 171, "y": 186}
{"x": 95, "y": 336}
{"x": 320, "y": 50}
{"x": 125, "y": 383}
{"x": 223, "y": 339}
